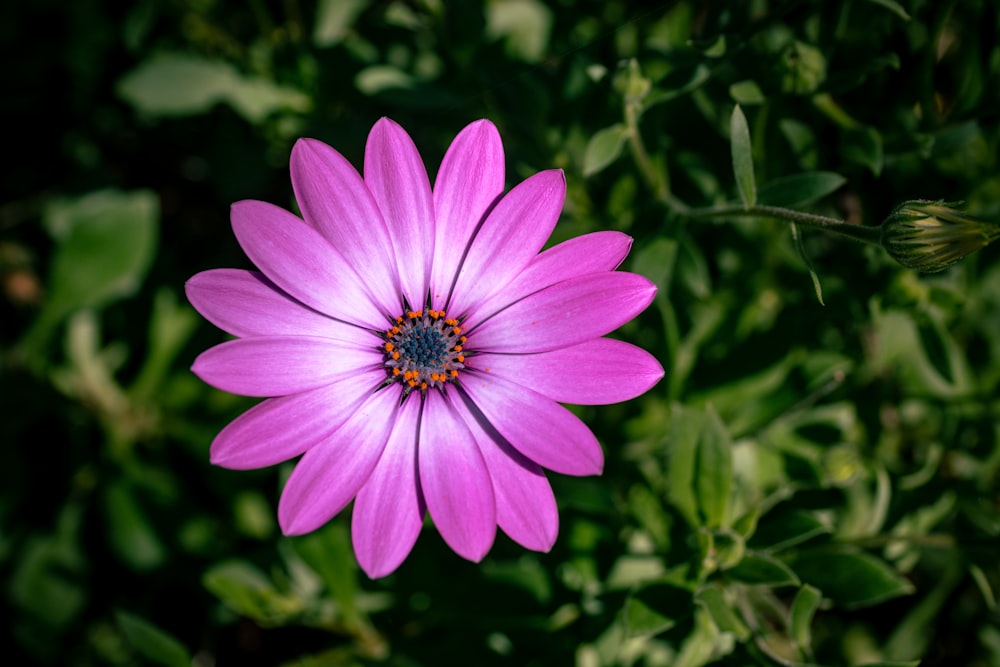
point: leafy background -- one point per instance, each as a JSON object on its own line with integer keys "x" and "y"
{"x": 809, "y": 484}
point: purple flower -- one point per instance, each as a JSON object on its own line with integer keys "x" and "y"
{"x": 416, "y": 346}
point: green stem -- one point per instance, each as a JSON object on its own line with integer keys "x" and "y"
{"x": 657, "y": 180}
{"x": 859, "y": 233}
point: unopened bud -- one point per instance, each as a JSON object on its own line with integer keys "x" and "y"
{"x": 930, "y": 236}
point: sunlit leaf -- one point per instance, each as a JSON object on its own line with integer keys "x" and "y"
{"x": 804, "y": 607}
{"x": 106, "y": 241}
{"x": 334, "y": 19}
{"x": 180, "y": 84}
{"x": 722, "y": 611}
{"x": 604, "y": 148}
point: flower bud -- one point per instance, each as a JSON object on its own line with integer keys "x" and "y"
{"x": 930, "y": 236}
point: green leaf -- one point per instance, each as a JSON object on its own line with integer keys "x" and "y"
{"x": 799, "y": 189}
{"x": 817, "y": 286}
{"x": 604, "y": 148}
{"x": 761, "y": 569}
{"x": 151, "y": 642}
{"x": 654, "y": 608}
{"x": 524, "y": 26}
{"x": 893, "y": 7}
{"x": 253, "y": 515}
{"x": 130, "y": 530}
{"x": 782, "y": 529}
{"x": 328, "y": 552}
{"x": 680, "y": 452}
{"x": 747, "y": 92}
{"x": 721, "y": 611}
{"x": 863, "y": 145}
{"x": 334, "y": 19}
{"x": 801, "y": 614}
{"x": 170, "y": 327}
{"x": 742, "y": 151}
{"x": 47, "y": 581}
{"x": 678, "y": 83}
{"x": 247, "y": 591}
{"x": 851, "y": 579}
{"x": 106, "y": 244}
{"x": 178, "y": 84}
{"x": 713, "y": 469}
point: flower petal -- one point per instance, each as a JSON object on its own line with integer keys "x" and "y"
{"x": 526, "y": 506}
{"x": 564, "y": 314}
{"x": 334, "y": 199}
{"x": 510, "y": 237}
{"x": 301, "y": 262}
{"x": 389, "y": 509}
{"x": 590, "y": 253}
{"x": 595, "y": 372}
{"x": 281, "y": 365}
{"x": 455, "y": 480}
{"x": 470, "y": 179}
{"x": 246, "y": 303}
{"x": 329, "y": 475}
{"x": 397, "y": 179}
{"x": 280, "y": 429}
{"x": 541, "y": 429}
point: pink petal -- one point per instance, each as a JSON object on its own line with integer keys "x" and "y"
{"x": 455, "y": 480}
{"x": 281, "y": 365}
{"x": 570, "y": 312}
{"x": 526, "y": 506}
{"x": 301, "y": 262}
{"x": 541, "y": 429}
{"x": 397, "y": 179}
{"x": 590, "y": 253}
{"x": 280, "y": 429}
{"x": 245, "y": 303}
{"x": 335, "y": 200}
{"x": 329, "y": 475}
{"x": 595, "y": 372}
{"x": 389, "y": 508}
{"x": 510, "y": 237}
{"x": 470, "y": 179}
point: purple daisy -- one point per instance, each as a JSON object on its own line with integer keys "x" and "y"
{"x": 415, "y": 345}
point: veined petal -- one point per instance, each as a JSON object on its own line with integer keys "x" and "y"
{"x": 567, "y": 313}
{"x": 526, "y": 506}
{"x": 455, "y": 480}
{"x": 510, "y": 237}
{"x": 389, "y": 509}
{"x": 397, "y": 179}
{"x": 595, "y": 372}
{"x": 329, "y": 475}
{"x": 541, "y": 429}
{"x": 280, "y": 429}
{"x": 303, "y": 263}
{"x": 281, "y": 365}
{"x": 590, "y": 253}
{"x": 470, "y": 179}
{"x": 246, "y": 303}
{"x": 334, "y": 199}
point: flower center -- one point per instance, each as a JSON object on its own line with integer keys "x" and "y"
{"x": 424, "y": 349}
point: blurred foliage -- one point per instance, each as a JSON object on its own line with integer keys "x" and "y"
{"x": 809, "y": 485}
